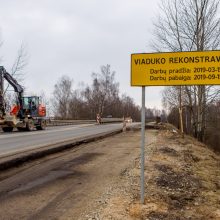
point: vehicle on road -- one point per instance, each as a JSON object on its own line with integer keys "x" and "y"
{"x": 27, "y": 114}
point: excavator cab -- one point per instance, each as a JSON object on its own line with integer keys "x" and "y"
{"x": 33, "y": 107}
{"x": 28, "y": 115}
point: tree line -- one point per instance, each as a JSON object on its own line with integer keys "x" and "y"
{"x": 191, "y": 25}
{"x": 192, "y": 122}
{"x": 101, "y": 97}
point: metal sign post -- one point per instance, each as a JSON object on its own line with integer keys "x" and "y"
{"x": 142, "y": 143}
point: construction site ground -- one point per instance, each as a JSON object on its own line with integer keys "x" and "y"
{"x": 101, "y": 180}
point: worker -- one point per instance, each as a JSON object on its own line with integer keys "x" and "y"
{"x": 98, "y": 118}
{"x": 33, "y": 105}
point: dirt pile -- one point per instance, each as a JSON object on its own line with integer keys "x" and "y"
{"x": 182, "y": 182}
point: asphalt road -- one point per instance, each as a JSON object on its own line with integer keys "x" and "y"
{"x": 73, "y": 184}
{"x": 11, "y": 143}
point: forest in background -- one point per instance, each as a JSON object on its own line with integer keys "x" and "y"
{"x": 101, "y": 97}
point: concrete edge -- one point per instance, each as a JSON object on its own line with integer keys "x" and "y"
{"x": 21, "y": 158}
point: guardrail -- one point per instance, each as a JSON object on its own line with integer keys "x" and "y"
{"x": 111, "y": 120}
{"x": 54, "y": 122}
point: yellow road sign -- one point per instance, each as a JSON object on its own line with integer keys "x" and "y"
{"x": 178, "y": 68}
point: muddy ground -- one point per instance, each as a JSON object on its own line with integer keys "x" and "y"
{"x": 101, "y": 180}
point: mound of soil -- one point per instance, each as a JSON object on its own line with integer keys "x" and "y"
{"x": 182, "y": 182}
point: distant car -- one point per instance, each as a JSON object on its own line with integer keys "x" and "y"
{"x": 109, "y": 116}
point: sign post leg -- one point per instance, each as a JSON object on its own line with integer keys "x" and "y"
{"x": 142, "y": 143}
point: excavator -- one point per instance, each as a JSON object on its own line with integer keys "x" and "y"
{"x": 27, "y": 114}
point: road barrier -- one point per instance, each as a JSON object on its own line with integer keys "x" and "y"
{"x": 56, "y": 122}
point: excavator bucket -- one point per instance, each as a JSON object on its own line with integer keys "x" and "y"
{"x": 10, "y": 120}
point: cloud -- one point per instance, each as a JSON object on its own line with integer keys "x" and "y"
{"x": 75, "y": 38}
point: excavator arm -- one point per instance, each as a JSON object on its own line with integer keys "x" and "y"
{"x": 2, "y": 104}
{"x": 13, "y": 82}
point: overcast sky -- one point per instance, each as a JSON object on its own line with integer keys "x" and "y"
{"x": 76, "y": 37}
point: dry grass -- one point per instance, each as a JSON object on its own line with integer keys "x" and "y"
{"x": 186, "y": 179}
{"x": 182, "y": 182}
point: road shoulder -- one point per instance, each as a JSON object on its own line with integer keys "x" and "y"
{"x": 182, "y": 182}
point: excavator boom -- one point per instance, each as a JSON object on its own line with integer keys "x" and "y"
{"x": 2, "y": 104}
{"x": 13, "y": 82}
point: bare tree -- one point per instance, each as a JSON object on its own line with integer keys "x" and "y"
{"x": 62, "y": 96}
{"x": 77, "y": 106}
{"x": 102, "y": 97}
{"x": 103, "y": 91}
{"x": 187, "y": 25}
{"x": 212, "y": 134}
{"x": 19, "y": 65}
{"x": 18, "y": 72}
{"x": 190, "y": 25}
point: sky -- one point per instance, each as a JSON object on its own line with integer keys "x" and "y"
{"x": 75, "y": 38}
